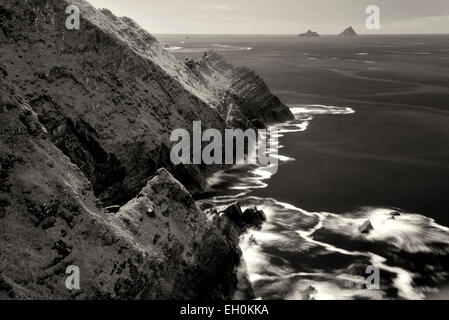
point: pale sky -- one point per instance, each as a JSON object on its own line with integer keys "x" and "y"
{"x": 280, "y": 16}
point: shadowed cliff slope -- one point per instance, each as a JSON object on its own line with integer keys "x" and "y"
{"x": 160, "y": 245}
{"x": 86, "y": 117}
{"x": 110, "y": 95}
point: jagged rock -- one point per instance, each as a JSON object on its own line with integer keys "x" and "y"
{"x": 254, "y": 217}
{"x": 309, "y": 293}
{"x": 181, "y": 232}
{"x": 249, "y": 218}
{"x": 248, "y": 97}
{"x": 234, "y": 212}
{"x": 366, "y": 227}
{"x": 394, "y": 214}
{"x": 309, "y": 33}
{"x": 348, "y": 32}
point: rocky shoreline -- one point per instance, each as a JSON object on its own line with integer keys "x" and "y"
{"x": 86, "y": 117}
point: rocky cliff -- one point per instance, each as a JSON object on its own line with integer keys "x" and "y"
{"x": 85, "y": 122}
{"x": 110, "y": 95}
{"x": 243, "y": 95}
{"x": 160, "y": 245}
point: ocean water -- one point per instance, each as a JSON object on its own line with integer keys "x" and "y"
{"x": 370, "y": 139}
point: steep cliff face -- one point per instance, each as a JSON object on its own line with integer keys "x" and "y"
{"x": 107, "y": 107}
{"x": 158, "y": 246}
{"x": 86, "y": 117}
{"x": 212, "y": 78}
{"x": 243, "y": 95}
{"x": 202, "y": 255}
{"x": 110, "y": 95}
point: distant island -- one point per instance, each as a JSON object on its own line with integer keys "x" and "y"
{"x": 350, "y": 32}
{"x": 309, "y": 33}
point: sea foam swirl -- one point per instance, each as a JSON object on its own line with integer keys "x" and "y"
{"x": 321, "y": 255}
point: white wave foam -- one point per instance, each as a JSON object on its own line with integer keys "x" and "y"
{"x": 173, "y": 48}
{"x": 408, "y": 232}
{"x": 319, "y": 109}
{"x": 259, "y": 263}
{"x": 215, "y": 47}
{"x": 255, "y": 179}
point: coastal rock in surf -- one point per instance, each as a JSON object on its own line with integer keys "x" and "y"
{"x": 366, "y": 227}
{"x": 309, "y": 34}
{"x": 254, "y": 217}
{"x": 251, "y": 217}
{"x": 348, "y": 32}
{"x": 234, "y": 212}
{"x": 309, "y": 293}
{"x": 394, "y": 214}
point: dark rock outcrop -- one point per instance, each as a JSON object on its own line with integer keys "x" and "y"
{"x": 200, "y": 258}
{"x": 394, "y": 214}
{"x": 348, "y": 32}
{"x": 366, "y": 227}
{"x": 309, "y": 293}
{"x": 250, "y": 218}
{"x": 308, "y": 34}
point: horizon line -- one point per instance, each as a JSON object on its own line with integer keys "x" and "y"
{"x": 295, "y": 34}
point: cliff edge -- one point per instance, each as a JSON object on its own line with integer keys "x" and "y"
{"x": 85, "y": 118}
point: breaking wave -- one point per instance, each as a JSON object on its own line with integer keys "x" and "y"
{"x": 215, "y": 47}
{"x": 322, "y": 255}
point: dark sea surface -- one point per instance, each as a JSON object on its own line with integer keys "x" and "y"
{"x": 371, "y": 138}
